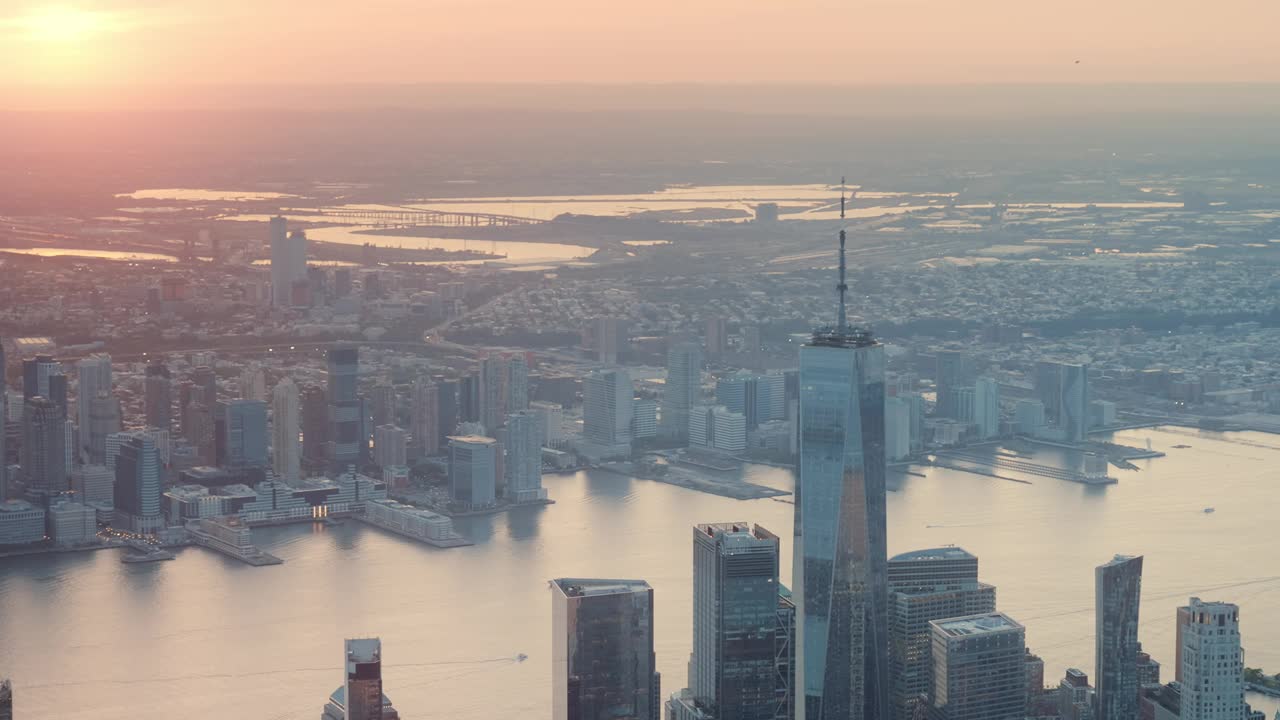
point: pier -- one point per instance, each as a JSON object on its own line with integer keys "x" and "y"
{"x": 231, "y": 537}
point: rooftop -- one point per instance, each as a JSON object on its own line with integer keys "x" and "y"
{"x": 939, "y": 553}
{"x": 479, "y": 439}
{"x": 14, "y": 506}
{"x": 587, "y": 587}
{"x": 976, "y": 625}
{"x": 364, "y": 649}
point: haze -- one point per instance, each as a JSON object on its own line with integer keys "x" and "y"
{"x": 92, "y": 43}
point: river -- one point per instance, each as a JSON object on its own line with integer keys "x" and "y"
{"x": 203, "y": 637}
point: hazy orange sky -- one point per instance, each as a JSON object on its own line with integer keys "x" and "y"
{"x": 775, "y": 41}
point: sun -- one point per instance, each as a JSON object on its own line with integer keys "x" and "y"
{"x": 63, "y": 24}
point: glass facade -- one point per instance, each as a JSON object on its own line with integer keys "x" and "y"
{"x": 840, "y": 567}
{"x": 345, "y": 409}
{"x": 1118, "y": 591}
{"x": 603, "y": 665}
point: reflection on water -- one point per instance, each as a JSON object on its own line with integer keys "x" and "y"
{"x": 212, "y": 626}
{"x": 99, "y": 254}
{"x": 196, "y": 195}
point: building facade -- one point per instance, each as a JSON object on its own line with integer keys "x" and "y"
{"x": 1118, "y": 592}
{"x": 979, "y": 668}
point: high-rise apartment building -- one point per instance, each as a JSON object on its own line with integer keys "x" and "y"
{"x": 717, "y": 336}
{"x": 383, "y": 401}
{"x": 682, "y": 390}
{"x": 897, "y": 428}
{"x": 36, "y": 380}
{"x": 286, "y": 442}
{"x": 44, "y": 445}
{"x": 733, "y": 671}
{"x": 390, "y": 446}
{"x": 986, "y": 407}
{"x": 240, "y": 434}
{"x": 606, "y": 410}
{"x": 523, "y": 466}
{"x": 954, "y": 371}
{"x": 315, "y": 427}
{"x": 602, "y": 659}
{"x": 1118, "y": 591}
{"x": 158, "y": 399}
{"x": 1210, "y": 661}
{"x": 425, "y": 416}
{"x": 288, "y": 261}
{"x": 925, "y": 586}
{"x": 346, "y": 424}
{"x": 253, "y": 382}
{"x": 841, "y": 589}
{"x": 550, "y": 422}
{"x": 1063, "y": 389}
{"x": 104, "y": 419}
{"x": 979, "y": 668}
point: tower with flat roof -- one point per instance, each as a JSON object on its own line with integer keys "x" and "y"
{"x": 473, "y": 468}
{"x": 979, "y": 668}
{"x": 1210, "y": 661}
{"x": 346, "y": 426}
{"x": 360, "y": 697}
{"x": 602, "y": 659}
{"x": 840, "y": 585}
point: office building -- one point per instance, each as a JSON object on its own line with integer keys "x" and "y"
{"x": 925, "y": 586}
{"x": 71, "y": 523}
{"x": 204, "y": 387}
{"x": 602, "y": 659}
{"x": 979, "y": 668}
{"x": 425, "y": 416}
{"x": 717, "y": 428}
{"x": 1210, "y": 661}
{"x": 94, "y": 379}
{"x": 253, "y": 382}
{"x": 288, "y": 262}
{"x": 717, "y": 336}
{"x": 954, "y": 371}
{"x": 897, "y": 428}
{"x": 449, "y": 409}
{"x": 732, "y": 670}
{"x": 609, "y": 340}
{"x": 1029, "y": 417}
{"x": 360, "y": 697}
{"x": 840, "y": 585}
{"x": 682, "y": 390}
{"x": 36, "y": 380}
{"x": 383, "y": 402}
{"x": 644, "y": 419}
{"x": 157, "y": 391}
{"x": 986, "y": 407}
{"x": 240, "y": 434}
{"x": 315, "y": 427}
{"x": 550, "y": 423}
{"x": 1075, "y": 696}
{"x": 469, "y": 398}
{"x": 503, "y": 388}
{"x": 346, "y": 423}
{"x": 1063, "y": 389}
{"x": 286, "y": 442}
{"x": 740, "y": 393}
{"x": 473, "y": 468}
{"x": 523, "y": 466}
{"x": 1118, "y": 591}
{"x": 104, "y": 419}
{"x": 94, "y": 483}
{"x": 139, "y": 486}
{"x": 390, "y": 446}
{"x": 44, "y": 445}
{"x": 606, "y": 411}
{"x": 21, "y": 523}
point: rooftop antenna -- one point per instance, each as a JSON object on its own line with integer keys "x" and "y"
{"x": 842, "y": 323}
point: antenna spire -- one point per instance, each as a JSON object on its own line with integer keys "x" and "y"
{"x": 842, "y": 323}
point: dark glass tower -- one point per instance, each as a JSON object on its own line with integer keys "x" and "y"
{"x": 841, "y": 591}
{"x": 1118, "y": 592}
{"x": 603, "y": 665}
{"x": 346, "y": 424}
{"x": 159, "y": 403}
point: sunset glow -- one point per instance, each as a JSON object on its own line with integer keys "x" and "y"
{"x": 63, "y": 24}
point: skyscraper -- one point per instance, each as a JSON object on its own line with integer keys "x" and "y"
{"x": 500, "y": 384}
{"x": 240, "y": 434}
{"x": 425, "y": 413}
{"x": 473, "y": 468}
{"x": 1118, "y": 590}
{"x": 44, "y": 445}
{"x": 288, "y": 261}
{"x": 6, "y": 693}
{"x": 602, "y": 659}
{"x": 138, "y": 486}
{"x": 158, "y": 399}
{"x": 4, "y": 432}
{"x": 346, "y": 426}
{"x": 1210, "y": 661}
{"x": 253, "y": 382}
{"x": 523, "y": 466}
{"x": 390, "y": 446}
{"x": 35, "y": 378}
{"x": 924, "y": 586}
{"x": 363, "y": 688}
{"x": 1063, "y": 389}
{"x": 315, "y": 427}
{"x": 104, "y": 419}
{"x": 682, "y": 391}
{"x": 606, "y": 410}
{"x": 517, "y": 384}
{"x": 94, "y": 377}
{"x": 383, "y": 401}
{"x": 732, "y": 670}
{"x": 286, "y": 447}
{"x": 979, "y": 668}
{"x": 840, "y": 585}
{"x": 449, "y": 406}
{"x": 717, "y": 336}
{"x": 986, "y": 407}
{"x": 954, "y": 371}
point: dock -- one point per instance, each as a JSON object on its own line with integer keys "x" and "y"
{"x": 414, "y": 523}
{"x": 231, "y": 537}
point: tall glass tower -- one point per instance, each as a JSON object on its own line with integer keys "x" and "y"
{"x": 840, "y": 584}
{"x": 1118, "y": 592}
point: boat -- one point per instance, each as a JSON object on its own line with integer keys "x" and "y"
{"x": 1182, "y": 447}
{"x": 1208, "y": 510}
{"x": 521, "y": 657}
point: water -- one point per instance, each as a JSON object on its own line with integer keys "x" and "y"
{"x": 199, "y": 194}
{"x": 98, "y": 254}
{"x": 85, "y": 636}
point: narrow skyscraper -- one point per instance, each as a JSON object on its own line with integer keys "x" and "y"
{"x": 1210, "y": 661}
{"x": 138, "y": 485}
{"x": 360, "y": 697}
{"x": 158, "y": 397}
{"x": 602, "y": 659}
{"x": 842, "y": 653}
{"x": 94, "y": 378}
{"x": 288, "y": 261}
{"x": 345, "y": 422}
{"x": 286, "y": 446}
{"x": 682, "y": 390}
{"x": 523, "y": 466}
{"x": 1118, "y": 591}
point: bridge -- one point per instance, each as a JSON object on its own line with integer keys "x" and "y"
{"x": 418, "y": 217}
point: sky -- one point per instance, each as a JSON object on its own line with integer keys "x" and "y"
{"x": 83, "y": 43}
